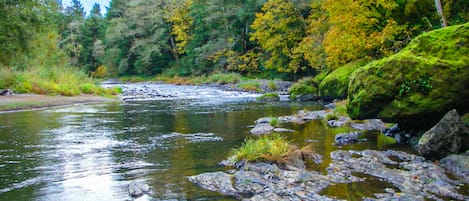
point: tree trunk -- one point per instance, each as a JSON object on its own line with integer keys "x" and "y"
{"x": 439, "y": 8}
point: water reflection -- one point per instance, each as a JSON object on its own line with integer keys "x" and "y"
{"x": 91, "y": 152}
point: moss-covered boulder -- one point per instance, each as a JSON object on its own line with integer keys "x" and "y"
{"x": 335, "y": 84}
{"x": 417, "y": 85}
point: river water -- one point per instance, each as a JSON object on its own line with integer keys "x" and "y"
{"x": 92, "y": 152}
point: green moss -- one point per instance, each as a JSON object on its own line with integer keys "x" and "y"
{"x": 269, "y": 97}
{"x": 335, "y": 84}
{"x": 465, "y": 118}
{"x": 424, "y": 80}
{"x": 305, "y": 86}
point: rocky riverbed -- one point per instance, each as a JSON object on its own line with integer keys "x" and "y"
{"x": 409, "y": 177}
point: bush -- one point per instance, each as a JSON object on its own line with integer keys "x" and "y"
{"x": 305, "y": 86}
{"x": 269, "y": 97}
{"x": 250, "y": 85}
{"x": 224, "y": 78}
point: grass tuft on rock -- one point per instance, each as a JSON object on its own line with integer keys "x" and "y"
{"x": 264, "y": 148}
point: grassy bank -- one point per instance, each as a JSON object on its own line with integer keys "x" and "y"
{"x": 51, "y": 81}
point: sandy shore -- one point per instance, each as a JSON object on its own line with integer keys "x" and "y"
{"x": 20, "y": 102}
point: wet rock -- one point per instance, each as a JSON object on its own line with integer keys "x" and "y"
{"x": 250, "y": 182}
{"x": 6, "y": 92}
{"x": 262, "y": 128}
{"x": 457, "y": 165}
{"x": 215, "y": 181}
{"x": 338, "y": 122}
{"x": 304, "y": 116}
{"x": 369, "y": 125}
{"x": 347, "y": 138}
{"x": 138, "y": 189}
{"x": 445, "y": 137}
{"x": 413, "y": 176}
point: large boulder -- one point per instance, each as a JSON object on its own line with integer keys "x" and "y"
{"x": 445, "y": 137}
{"x": 417, "y": 85}
{"x": 335, "y": 84}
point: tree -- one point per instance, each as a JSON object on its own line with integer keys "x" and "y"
{"x": 278, "y": 29}
{"x": 92, "y": 31}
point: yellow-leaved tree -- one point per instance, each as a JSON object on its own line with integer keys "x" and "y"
{"x": 360, "y": 29}
{"x": 278, "y": 29}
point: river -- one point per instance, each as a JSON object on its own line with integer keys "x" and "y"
{"x": 92, "y": 152}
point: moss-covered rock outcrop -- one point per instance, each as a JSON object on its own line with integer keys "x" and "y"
{"x": 335, "y": 84}
{"x": 417, "y": 85}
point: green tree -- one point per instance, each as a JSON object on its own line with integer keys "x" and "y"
{"x": 91, "y": 34}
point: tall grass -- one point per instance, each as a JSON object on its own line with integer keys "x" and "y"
{"x": 46, "y": 71}
{"x": 271, "y": 148}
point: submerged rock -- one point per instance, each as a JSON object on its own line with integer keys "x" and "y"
{"x": 138, "y": 189}
{"x": 445, "y": 137}
{"x": 347, "y": 138}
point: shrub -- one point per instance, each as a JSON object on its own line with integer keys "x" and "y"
{"x": 305, "y": 86}
{"x": 250, "y": 85}
{"x": 100, "y": 72}
{"x": 224, "y": 78}
{"x": 269, "y": 97}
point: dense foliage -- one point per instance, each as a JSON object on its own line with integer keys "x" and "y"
{"x": 262, "y": 38}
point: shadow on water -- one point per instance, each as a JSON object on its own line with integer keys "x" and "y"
{"x": 91, "y": 152}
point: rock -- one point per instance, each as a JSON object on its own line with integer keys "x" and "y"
{"x": 347, "y": 138}
{"x": 138, "y": 189}
{"x": 408, "y": 177}
{"x": 262, "y": 128}
{"x": 369, "y": 125}
{"x": 215, "y": 181}
{"x": 338, "y": 122}
{"x": 250, "y": 182}
{"x": 6, "y": 92}
{"x": 457, "y": 165}
{"x": 304, "y": 116}
{"x": 444, "y": 138}
{"x": 412, "y": 175}
{"x": 418, "y": 84}
{"x": 266, "y": 120}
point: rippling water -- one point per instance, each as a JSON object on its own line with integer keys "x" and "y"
{"x": 91, "y": 152}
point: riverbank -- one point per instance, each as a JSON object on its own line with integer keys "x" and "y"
{"x": 19, "y": 102}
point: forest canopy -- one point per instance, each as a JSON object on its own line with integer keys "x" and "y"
{"x": 260, "y": 38}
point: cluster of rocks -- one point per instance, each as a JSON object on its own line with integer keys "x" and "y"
{"x": 141, "y": 93}
{"x": 264, "y": 125}
{"x": 411, "y": 178}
